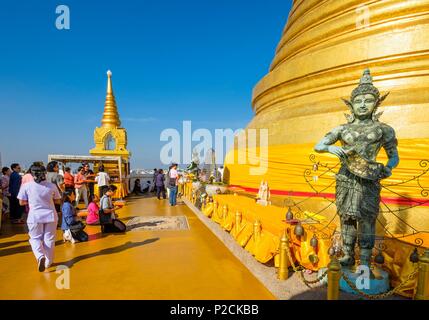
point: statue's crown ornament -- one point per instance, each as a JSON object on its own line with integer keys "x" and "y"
{"x": 365, "y": 86}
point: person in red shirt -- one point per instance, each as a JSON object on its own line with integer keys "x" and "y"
{"x": 68, "y": 180}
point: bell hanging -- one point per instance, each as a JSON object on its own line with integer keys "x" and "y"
{"x": 313, "y": 258}
{"x": 314, "y": 242}
{"x": 289, "y": 214}
{"x": 379, "y": 258}
{"x": 299, "y": 230}
{"x": 414, "y": 258}
{"x": 315, "y": 167}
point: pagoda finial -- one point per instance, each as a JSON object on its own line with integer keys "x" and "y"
{"x": 110, "y": 115}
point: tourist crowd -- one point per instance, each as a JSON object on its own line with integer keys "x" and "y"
{"x": 50, "y": 199}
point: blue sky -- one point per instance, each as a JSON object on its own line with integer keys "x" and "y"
{"x": 171, "y": 61}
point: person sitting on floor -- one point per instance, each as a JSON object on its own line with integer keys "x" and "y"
{"x": 72, "y": 228}
{"x": 93, "y": 218}
{"x": 108, "y": 218}
{"x": 137, "y": 190}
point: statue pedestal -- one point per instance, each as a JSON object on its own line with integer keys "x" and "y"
{"x": 377, "y": 283}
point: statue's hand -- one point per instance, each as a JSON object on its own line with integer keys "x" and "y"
{"x": 386, "y": 173}
{"x": 338, "y": 151}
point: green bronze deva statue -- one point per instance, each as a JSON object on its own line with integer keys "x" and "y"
{"x": 358, "y": 180}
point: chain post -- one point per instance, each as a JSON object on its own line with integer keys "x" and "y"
{"x": 334, "y": 276}
{"x": 422, "y": 292}
{"x": 283, "y": 257}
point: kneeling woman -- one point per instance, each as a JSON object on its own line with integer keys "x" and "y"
{"x": 108, "y": 219}
{"x": 71, "y": 226}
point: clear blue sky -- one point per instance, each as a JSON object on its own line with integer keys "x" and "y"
{"x": 171, "y": 61}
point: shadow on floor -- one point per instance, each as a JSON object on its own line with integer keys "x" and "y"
{"x": 11, "y": 243}
{"x": 21, "y": 249}
{"x": 120, "y": 248}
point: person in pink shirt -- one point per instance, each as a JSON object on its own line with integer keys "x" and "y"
{"x": 26, "y": 178}
{"x": 93, "y": 218}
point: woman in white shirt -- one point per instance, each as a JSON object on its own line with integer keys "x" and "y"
{"x": 41, "y": 196}
{"x": 102, "y": 179}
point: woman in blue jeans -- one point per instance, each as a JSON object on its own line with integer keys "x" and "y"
{"x": 172, "y": 184}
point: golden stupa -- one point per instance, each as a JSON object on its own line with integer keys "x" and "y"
{"x": 322, "y": 53}
{"x": 110, "y": 139}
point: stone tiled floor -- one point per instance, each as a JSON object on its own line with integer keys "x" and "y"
{"x": 186, "y": 264}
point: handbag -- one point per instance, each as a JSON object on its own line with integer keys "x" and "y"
{"x": 105, "y": 218}
{"x": 77, "y": 226}
{"x": 80, "y": 235}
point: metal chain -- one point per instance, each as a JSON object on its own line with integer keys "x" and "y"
{"x": 382, "y": 295}
{"x": 301, "y": 270}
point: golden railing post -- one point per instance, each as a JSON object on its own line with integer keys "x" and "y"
{"x": 334, "y": 276}
{"x": 224, "y": 212}
{"x": 423, "y": 277}
{"x": 237, "y": 221}
{"x": 283, "y": 257}
{"x": 190, "y": 192}
{"x": 203, "y": 203}
{"x": 214, "y": 208}
{"x": 256, "y": 230}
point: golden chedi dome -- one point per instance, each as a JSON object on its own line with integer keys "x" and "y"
{"x": 324, "y": 48}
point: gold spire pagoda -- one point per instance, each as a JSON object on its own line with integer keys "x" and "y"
{"x": 110, "y": 115}
{"x": 110, "y": 139}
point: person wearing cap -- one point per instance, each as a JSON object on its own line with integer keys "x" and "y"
{"x": 41, "y": 196}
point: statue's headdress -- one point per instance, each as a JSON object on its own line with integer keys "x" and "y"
{"x": 365, "y": 87}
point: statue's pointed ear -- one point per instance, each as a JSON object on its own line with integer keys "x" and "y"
{"x": 383, "y": 97}
{"x": 350, "y": 117}
{"x": 377, "y": 115}
{"x": 348, "y": 103}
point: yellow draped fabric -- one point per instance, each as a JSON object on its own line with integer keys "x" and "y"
{"x": 272, "y": 226}
{"x": 397, "y": 252}
{"x": 289, "y": 172}
{"x": 121, "y": 191}
{"x": 397, "y": 260}
{"x": 286, "y": 165}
